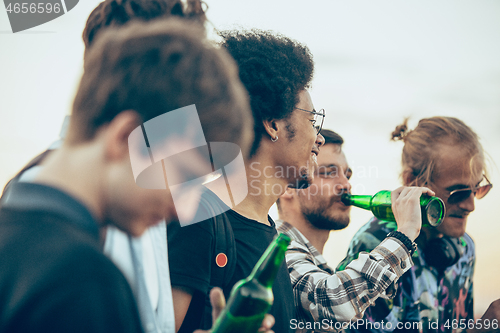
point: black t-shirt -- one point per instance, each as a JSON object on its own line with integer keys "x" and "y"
{"x": 191, "y": 254}
{"x": 53, "y": 275}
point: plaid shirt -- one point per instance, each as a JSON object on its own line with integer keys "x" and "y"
{"x": 324, "y": 299}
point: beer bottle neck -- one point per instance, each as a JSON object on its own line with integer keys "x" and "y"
{"x": 267, "y": 268}
{"x": 361, "y": 201}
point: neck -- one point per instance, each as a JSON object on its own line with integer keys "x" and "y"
{"x": 264, "y": 188}
{"x": 429, "y": 233}
{"x": 69, "y": 170}
{"x": 317, "y": 237}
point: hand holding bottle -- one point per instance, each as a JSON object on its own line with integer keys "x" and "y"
{"x": 219, "y": 303}
{"x": 406, "y": 208}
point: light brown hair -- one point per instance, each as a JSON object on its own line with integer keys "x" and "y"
{"x": 421, "y": 153}
{"x": 153, "y": 68}
{"x": 115, "y": 13}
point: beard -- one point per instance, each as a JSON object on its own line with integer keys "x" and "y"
{"x": 320, "y": 219}
{"x": 304, "y": 181}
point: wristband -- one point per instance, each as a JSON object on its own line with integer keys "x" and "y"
{"x": 411, "y": 246}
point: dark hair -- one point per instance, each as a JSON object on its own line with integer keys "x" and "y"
{"x": 331, "y": 137}
{"x": 273, "y": 69}
{"x": 111, "y": 13}
{"x": 158, "y": 67}
{"x": 420, "y": 154}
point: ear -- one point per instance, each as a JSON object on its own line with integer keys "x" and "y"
{"x": 271, "y": 127}
{"x": 117, "y": 133}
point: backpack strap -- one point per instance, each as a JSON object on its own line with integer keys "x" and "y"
{"x": 223, "y": 260}
{"x": 37, "y": 160}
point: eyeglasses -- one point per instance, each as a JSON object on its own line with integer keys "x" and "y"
{"x": 319, "y": 118}
{"x": 457, "y": 196}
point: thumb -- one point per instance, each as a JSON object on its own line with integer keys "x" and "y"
{"x": 218, "y": 302}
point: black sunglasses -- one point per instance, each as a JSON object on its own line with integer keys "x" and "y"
{"x": 460, "y": 195}
{"x": 319, "y": 118}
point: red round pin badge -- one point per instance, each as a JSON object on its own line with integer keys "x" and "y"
{"x": 221, "y": 260}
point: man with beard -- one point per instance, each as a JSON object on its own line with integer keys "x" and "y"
{"x": 325, "y": 300}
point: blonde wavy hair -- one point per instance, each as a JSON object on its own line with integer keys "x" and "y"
{"x": 421, "y": 153}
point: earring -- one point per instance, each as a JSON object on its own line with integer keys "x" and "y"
{"x": 274, "y": 140}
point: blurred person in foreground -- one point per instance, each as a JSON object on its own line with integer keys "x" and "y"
{"x": 144, "y": 259}
{"x": 436, "y": 295}
{"x": 326, "y": 300}
{"x": 53, "y": 274}
{"x": 276, "y": 71}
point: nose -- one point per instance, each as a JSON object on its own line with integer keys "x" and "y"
{"x": 320, "y": 140}
{"x": 468, "y": 204}
{"x": 346, "y": 185}
{"x": 341, "y": 184}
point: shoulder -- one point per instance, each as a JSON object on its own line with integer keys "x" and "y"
{"x": 90, "y": 279}
{"x": 62, "y": 269}
{"x": 292, "y": 232}
{"x": 87, "y": 290}
{"x": 379, "y": 227}
{"x": 204, "y": 228}
{"x": 84, "y": 262}
{"x": 470, "y": 245}
{"x": 191, "y": 253}
{"x": 371, "y": 234}
{"x": 367, "y": 238}
{"x": 468, "y": 240}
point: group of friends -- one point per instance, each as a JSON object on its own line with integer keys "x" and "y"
{"x": 83, "y": 248}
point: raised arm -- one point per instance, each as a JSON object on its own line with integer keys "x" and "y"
{"x": 345, "y": 295}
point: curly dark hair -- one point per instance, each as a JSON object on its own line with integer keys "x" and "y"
{"x": 119, "y": 12}
{"x": 273, "y": 68}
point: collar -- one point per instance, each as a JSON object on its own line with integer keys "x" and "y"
{"x": 297, "y": 236}
{"x": 37, "y": 197}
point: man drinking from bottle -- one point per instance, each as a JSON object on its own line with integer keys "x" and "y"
{"x": 444, "y": 154}
{"x": 326, "y": 300}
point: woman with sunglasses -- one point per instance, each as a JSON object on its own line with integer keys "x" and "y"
{"x": 445, "y": 155}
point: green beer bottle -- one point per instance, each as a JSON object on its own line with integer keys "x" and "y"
{"x": 433, "y": 209}
{"x": 251, "y": 298}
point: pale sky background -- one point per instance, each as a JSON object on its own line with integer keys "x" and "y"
{"x": 377, "y": 61}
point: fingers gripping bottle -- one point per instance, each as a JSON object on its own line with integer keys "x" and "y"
{"x": 251, "y": 298}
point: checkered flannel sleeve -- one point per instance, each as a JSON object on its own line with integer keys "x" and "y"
{"x": 345, "y": 295}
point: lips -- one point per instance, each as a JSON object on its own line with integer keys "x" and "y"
{"x": 458, "y": 216}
